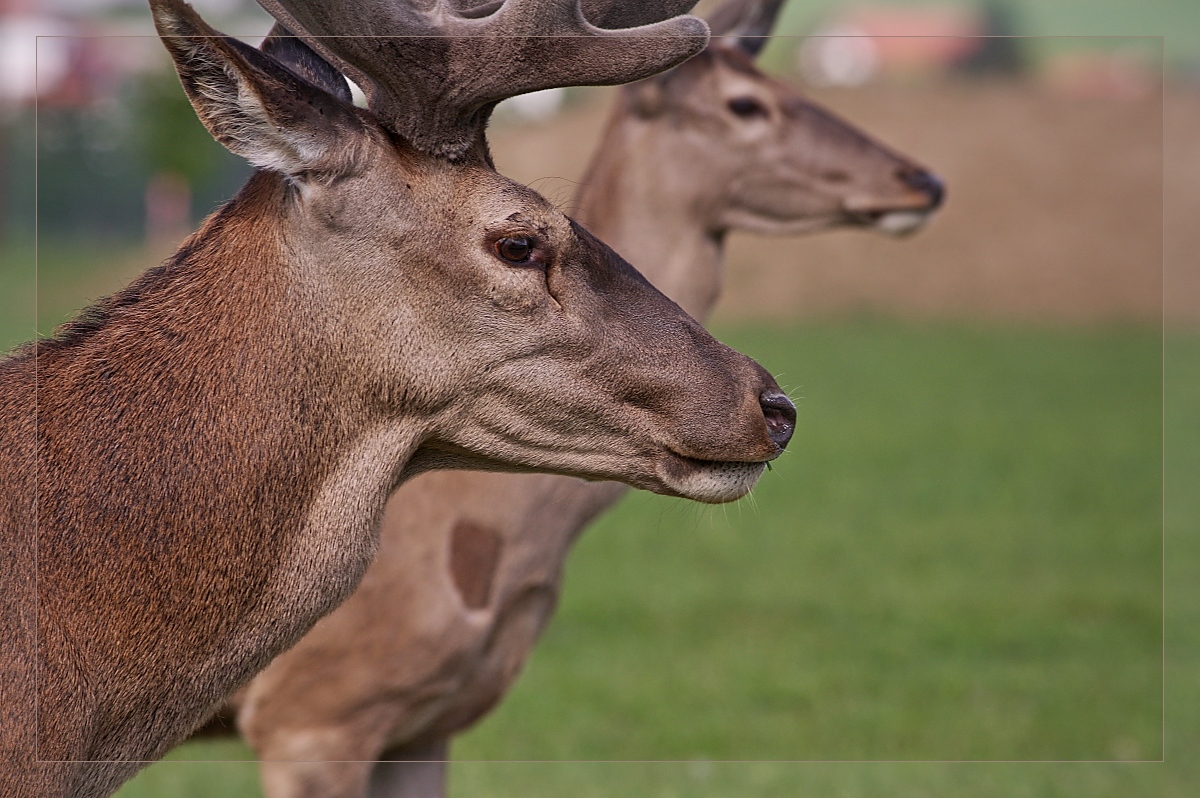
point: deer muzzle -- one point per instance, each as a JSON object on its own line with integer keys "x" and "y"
{"x": 717, "y": 481}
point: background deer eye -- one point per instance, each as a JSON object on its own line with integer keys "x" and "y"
{"x": 514, "y": 250}
{"x": 747, "y": 107}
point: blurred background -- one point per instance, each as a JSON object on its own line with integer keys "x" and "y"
{"x": 961, "y": 558}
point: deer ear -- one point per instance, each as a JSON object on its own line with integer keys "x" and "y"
{"x": 250, "y": 103}
{"x": 745, "y": 24}
{"x": 297, "y": 56}
{"x": 646, "y": 97}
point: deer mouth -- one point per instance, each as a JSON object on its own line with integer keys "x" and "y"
{"x": 902, "y": 217}
{"x": 892, "y": 222}
{"x": 901, "y": 223}
{"x": 709, "y": 481}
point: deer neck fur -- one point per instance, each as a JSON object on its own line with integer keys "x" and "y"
{"x": 260, "y": 500}
{"x": 668, "y": 229}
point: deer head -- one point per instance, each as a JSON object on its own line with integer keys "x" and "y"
{"x": 772, "y": 161}
{"x": 458, "y": 294}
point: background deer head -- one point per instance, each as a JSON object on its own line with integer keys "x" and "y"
{"x": 716, "y": 145}
{"x": 768, "y": 160}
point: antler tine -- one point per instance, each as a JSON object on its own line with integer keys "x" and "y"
{"x": 434, "y": 74}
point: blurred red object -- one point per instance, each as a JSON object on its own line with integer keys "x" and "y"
{"x": 860, "y": 43}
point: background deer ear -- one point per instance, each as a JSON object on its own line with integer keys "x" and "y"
{"x": 250, "y": 103}
{"x": 297, "y": 56}
{"x": 646, "y": 98}
{"x": 745, "y": 24}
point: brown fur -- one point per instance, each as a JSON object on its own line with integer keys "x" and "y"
{"x": 402, "y": 666}
{"x": 195, "y": 468}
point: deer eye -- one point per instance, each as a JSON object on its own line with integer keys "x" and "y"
{"x": 516, "y": 250}
{"x": 747, "y": 107}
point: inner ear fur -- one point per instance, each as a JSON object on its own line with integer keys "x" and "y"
{"x": 253, "y": 105}
{"x": 646, "y": 98}
{"x": 650, "y": 97}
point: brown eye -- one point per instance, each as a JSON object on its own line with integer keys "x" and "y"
{"x": 515, "y": 250}
{"x": 747, "y": 107}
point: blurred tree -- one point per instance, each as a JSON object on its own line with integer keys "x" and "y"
{"x": 1001, "y": 52}
{"x": 5, "y": 188}
{"x": 179, "y": 152}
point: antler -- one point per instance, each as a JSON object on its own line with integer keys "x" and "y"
{"x": 624, "y": 14}
{"x": 433, "y": 74}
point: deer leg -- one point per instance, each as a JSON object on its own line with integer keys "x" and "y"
{"x": 417, "y": 772}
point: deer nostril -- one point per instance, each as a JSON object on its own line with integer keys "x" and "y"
{"x": 780, "y": 415}
{"x": 926, "y": 182}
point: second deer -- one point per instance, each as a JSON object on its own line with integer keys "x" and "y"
{"x": 470, "y": 563}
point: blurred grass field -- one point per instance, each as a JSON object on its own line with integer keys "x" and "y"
{"x": 961, "y": 558}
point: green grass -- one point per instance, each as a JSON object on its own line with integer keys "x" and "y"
{"x": 959, "y": 558}
{"x": 17, "y": 313}
{"x": 39, "y": 291}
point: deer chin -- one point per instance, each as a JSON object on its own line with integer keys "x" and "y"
{"x": 895, "y": 221}
{"x": 709, "y": 481}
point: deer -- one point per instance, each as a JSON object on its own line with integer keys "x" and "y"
{"x": 195, "y": 466}
{"x": 470, "y": 563}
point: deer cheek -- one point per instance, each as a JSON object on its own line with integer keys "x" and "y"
{"x": 517, "y": 296}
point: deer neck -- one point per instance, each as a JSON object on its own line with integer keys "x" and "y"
{"x": 186, "y": 428}
{"x": 658, "y": 219}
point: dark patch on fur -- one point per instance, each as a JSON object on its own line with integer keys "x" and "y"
{"x": 474, "y": 554}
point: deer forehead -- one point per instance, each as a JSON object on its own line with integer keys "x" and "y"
{"x": 459, "y": 206}
{"x": 731, "y": 64}
{"x": 498, "y": 202}
{"x": 465, "y": 202}
{"x": 730, "y": 81}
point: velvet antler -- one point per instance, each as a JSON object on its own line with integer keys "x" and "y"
{"x": 433, "y": 72}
